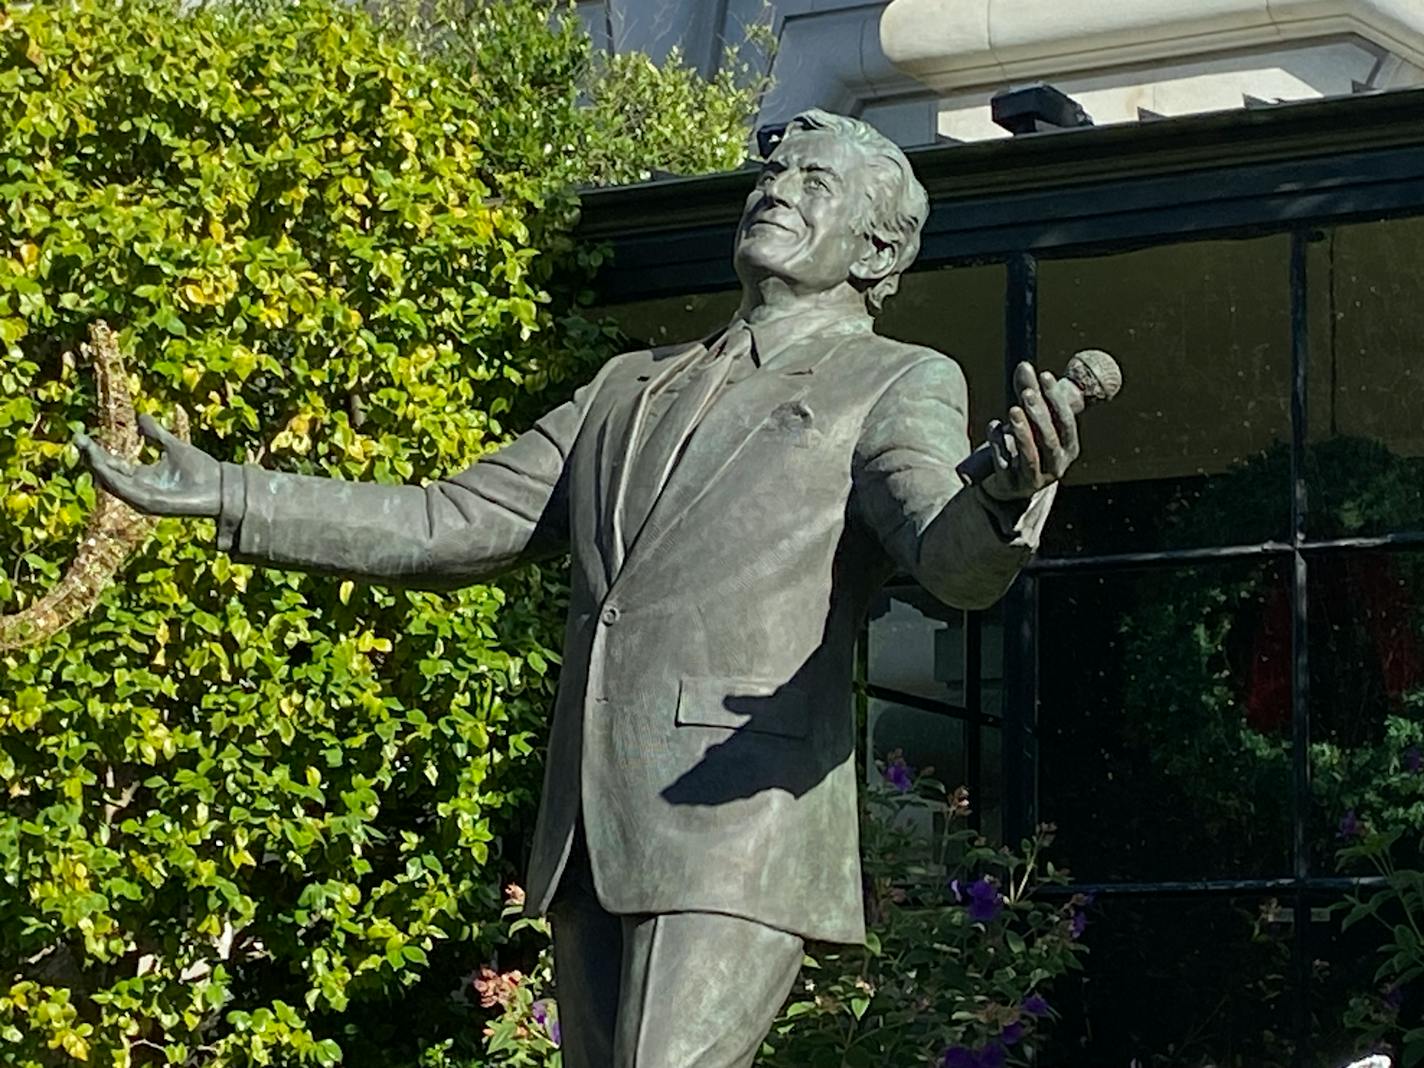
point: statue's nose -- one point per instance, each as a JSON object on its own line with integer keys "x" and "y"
{"x": 780, "y": 190}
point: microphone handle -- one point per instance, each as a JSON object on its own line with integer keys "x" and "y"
{"x": 979, "y": 464}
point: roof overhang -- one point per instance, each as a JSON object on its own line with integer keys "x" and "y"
{"x": 956, "y": 44}
{"x": 1251, "y": 168}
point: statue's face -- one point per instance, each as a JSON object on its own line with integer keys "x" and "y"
{"x": 803, "y": 221}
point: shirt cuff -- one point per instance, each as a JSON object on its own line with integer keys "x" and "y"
{"x": 233, "y": 507}
{"x": 1020, "y": 522}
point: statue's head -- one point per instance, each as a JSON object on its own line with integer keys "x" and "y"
{"x": 836, "y": 202}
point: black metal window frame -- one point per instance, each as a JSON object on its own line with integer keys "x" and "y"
{"x": 1289, "y": 169}
{"x": 970, "y": 713}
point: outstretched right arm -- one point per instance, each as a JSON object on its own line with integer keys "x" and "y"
{"x": 511, "y": 505}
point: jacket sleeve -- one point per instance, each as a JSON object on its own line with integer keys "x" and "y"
{"x": 958, "y": 543}
{"x": 509, "y": 506}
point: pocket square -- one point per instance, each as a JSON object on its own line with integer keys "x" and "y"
{"x": 793, "y": 415}
{"x": 795, "y": 422}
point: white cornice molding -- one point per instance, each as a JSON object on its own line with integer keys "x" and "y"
{"x": 829, "y": 56}
{"x": 952, "y": 44}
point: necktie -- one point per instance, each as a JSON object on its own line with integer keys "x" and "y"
{"x": 660, "y": 447}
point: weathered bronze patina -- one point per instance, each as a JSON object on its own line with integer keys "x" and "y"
{"x": 730, "y": 505}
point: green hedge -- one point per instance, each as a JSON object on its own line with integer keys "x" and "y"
{"x": 254, "y": 817}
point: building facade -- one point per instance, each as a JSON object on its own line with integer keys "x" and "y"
{"x": 923, "y": 70}
{"x": 1214, "y": 670}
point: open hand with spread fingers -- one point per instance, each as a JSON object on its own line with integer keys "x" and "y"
{"x": 1036, "y": 444}
{"x": 185, "y": 481}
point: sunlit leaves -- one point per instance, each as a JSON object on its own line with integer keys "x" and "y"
{"x": 236, "y": 803}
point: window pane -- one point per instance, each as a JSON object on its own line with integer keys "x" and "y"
{"x": 1343, "y": 988}
{"x": 916, "y": 645}
{"x": 959, "y": 311}
{"x": 669, "y": 320}
{"x": 1366, "y": 650}
{"x": 991, "y": 659}
{"x": 1177, "y": 983}
{"x": 940, "y": 746}
{"x": 1195, "y": 450}
{"x": 930, "y": 742}
{"x": 1164, "y": 722}
{"x": 1366, "y": 303}
{"x": 988, "y": 806}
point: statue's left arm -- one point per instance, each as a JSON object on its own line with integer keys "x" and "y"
{"x": 958, "y": 541}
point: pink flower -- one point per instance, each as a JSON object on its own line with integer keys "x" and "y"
{"x": 496, "y": 988}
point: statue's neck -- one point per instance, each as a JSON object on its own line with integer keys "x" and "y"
{"x": 773, "y": 299}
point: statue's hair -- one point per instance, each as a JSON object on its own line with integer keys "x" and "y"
{"x": 898, "y": 203}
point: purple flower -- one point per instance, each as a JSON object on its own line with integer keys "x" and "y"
{"x": 555, "y": 1033}
{"x": 899, "y": 775}
{"x": 1349, "y": 824}
{"x": 984, "y": 901}
{"x": 1078, "y": 924}
{"x": 1035, "y": 1006}
{"x": 1414, "y": 759}
{"x": 990, "y": 1056}
{"x": 540, "y": 1011}
{"x": 1393, "y": 998}
{"x": 1012, "y": 1035}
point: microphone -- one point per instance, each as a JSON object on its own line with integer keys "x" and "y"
{"x": 1091, "y": 377}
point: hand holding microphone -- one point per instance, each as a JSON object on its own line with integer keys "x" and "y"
{"x": 1039, "y": 440}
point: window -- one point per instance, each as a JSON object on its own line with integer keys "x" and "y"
{"x": 1216, "y": 662}
{"x": 1228, "y": 636}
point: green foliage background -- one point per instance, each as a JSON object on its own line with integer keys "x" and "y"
{"x": 249, "y": 817}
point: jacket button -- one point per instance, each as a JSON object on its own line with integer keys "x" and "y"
{"x": 610, "y": 615}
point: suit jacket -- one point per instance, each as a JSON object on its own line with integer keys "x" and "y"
{"x": 703, "y": 726}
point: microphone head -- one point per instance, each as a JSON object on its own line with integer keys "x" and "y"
{"x": 1096, "y": 374}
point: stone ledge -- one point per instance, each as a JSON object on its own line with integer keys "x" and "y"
{"x": 954, "y": 44}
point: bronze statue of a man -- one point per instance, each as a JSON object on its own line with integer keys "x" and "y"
{"x": 730, "y": 506}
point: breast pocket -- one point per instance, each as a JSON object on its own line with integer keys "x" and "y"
{"x": 759, "y": 706}
{"x": 792, "y": 424}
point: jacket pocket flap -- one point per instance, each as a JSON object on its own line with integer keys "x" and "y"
{"x": 763, "y": 706}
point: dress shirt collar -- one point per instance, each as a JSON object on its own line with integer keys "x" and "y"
{"x": 773, "y": 335}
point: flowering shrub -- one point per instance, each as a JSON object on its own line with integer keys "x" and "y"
{"x": 1198, "y": 695}
{"x": 526, "y": 1029}
{"x": 958, "y": 953}
{"x": 1398, "y": 909}
{"x": 253, "y": 817}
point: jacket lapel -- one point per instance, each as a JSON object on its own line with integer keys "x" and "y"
{"x": 619, "y": 437}
{"x": 784, "y": 382}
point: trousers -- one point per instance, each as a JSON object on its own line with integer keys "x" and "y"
{"x": 674, "y": 990}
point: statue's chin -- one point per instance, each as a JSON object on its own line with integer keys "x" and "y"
{"x": 757, "y": 258}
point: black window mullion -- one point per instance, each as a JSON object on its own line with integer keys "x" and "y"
{"x": 974, "y": 728}
{"x": 1020, "y": 766}
{"x": 1258, "y": 887}
{"x": 862, "y": 698}
{"x": 919, "y": 702}
{"x": 1118, "y": 562}
{"x": 1300, "y": 667}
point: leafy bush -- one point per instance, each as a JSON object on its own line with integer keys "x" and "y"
{"x": 239, "y": 804}
{"x": 1217, "y": 745}
{"x": 1397, "y": 909}
{"x": 959, "y": 953}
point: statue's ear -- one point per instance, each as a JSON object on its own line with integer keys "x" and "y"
{"x": 876, "y": 261}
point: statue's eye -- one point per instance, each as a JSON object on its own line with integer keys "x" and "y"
{"x": 818, "y": 183}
